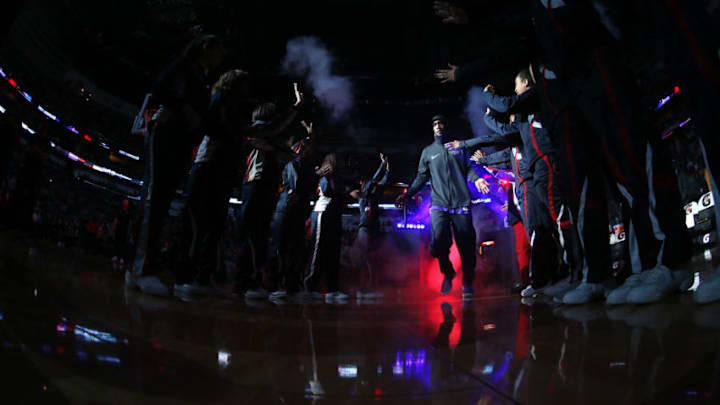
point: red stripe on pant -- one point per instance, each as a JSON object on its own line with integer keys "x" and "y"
{"x": 550, "y": 195}
{"x": 522, "y": 251}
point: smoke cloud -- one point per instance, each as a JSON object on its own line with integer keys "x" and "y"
{"x": 475, "y": 111}
{"x": 309, "y": 57}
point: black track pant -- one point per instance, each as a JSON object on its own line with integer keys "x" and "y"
{"x": 547, "y": 179}
{"x": 444, "y": 226}
{"x": 168, "y": 151}
{"x": 287, "y": 250}
{"x": 205, "y": 217}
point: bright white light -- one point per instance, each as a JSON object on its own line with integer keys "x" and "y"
{"x": 2, "y": 109}
{"x": 108, "y": 359}
{"x": 48, "y": 114}
{"x": 347, "y": 371}
{"x": 488, "y": 369}
{"x": 27, "y": 128}
{"x": 130, "y": 155}
{"x": 27, "y": 96}
{"x": 223, "y": 358}
{"x": 93, "y": 336}
{"x": 235, "y": 201}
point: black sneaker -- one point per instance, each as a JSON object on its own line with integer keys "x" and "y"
{"x": 447, "y": 283}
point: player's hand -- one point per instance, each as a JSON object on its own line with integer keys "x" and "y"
{"x": 401, "y": 200}
{"x": 450, "y": 14}
{"x": 482, "y": 185}
{"x": 446, "y": 75}
{"x": 490, "y": 89}
{"x": 477, "y": 156}
{"x": 453, "y": 145}
{"x": 308, "y": 127}
{"x": 299, "y": 98}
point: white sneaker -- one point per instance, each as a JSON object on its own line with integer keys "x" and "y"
{"x": 584, "y": 293}
{"x": 561, "y": 287}
{"x": 278, "y": 295}
{"x": 618, "y": 296}
{"x": 152, "y": 285}
{"x": 256, "y": 294}
{"x": 198, "y": 290}
{"x": 709, "y": 288}
{"x": 531, "y": 291}
{"x": 336, "y": 296}
{"x": 658, "y": 284}
{"x": 308, "y": 296}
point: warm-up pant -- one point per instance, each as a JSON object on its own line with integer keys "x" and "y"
{"x": 597, "y": 128}
{"x": 444, "y": 225}
{"x": 522, "y": 245}
{"x": 287, "y": 252}
{"x": 326, "y": 232}
{"x": 168, "y": 150}
{"x": 253, "y": 230}
{"x": 205, "y": 216}
{"x": 546, "y": 184}
{"x": 544, "y": 254}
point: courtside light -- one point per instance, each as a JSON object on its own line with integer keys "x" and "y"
{"x": 128, "y": 154}
{"x": 2, "y": 109}
{"x": 27, "y": 128}
{"x": 12, "y": 82}
{"x": 72, "y": 129}
{"x": 48, "y": 114}
{"x": 2, "y": 73}
{"x": 87, "y": 137}
{"x": 27, "y": 96}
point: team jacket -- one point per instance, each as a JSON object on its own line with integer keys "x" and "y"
{"x": 448, "y": 171}
{"x": 536, "y": 139}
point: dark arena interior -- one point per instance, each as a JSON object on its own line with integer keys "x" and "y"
{"x": 359, "y": 201}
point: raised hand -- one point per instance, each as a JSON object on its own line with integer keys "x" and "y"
{"x": 298, "y": 95}
{"x": 490, "y": 89}
{"x": 401, "y": 200}
{"x": 477, "y": 156}
{"x": 450, "y": 14}
{"x": 324, "y": 170}
{"x": 446, "y": 75}
{"x": 308, "y": 127}
{"x": 482, "y": 185}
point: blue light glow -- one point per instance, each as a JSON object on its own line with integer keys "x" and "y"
{"x": 402, "y": 225}
{"x": 48, "y": 113}
{"x": 128, "y": 154}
